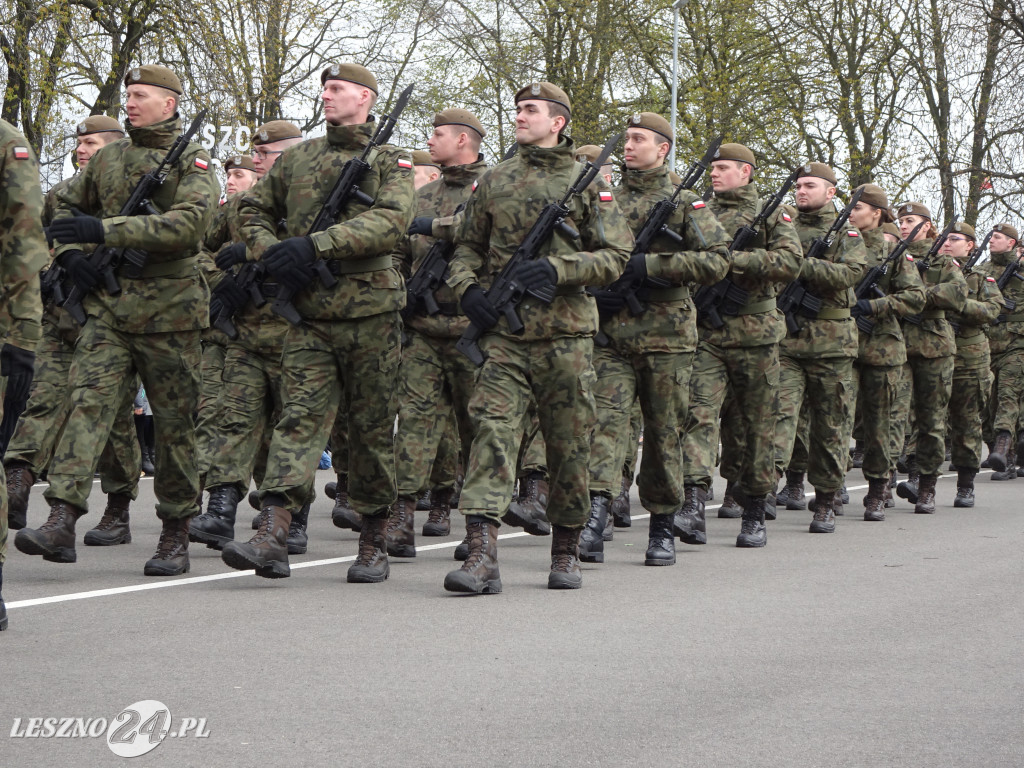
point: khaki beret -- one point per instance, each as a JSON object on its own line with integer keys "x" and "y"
{"x": 461, "y": 117}
{"x": 735, "y": 152}
{"x": 652, "y": 122}
{"x": 1005, "y": 229}
{"x": 154, "y": 74}
{"x": 240, "y": 162}
{"x": 544, "y": 92}
{"x": 276, "y": 130}
{"x": 818, "y": 170}
{"x": 891, "y": 229}
{"x": 874, "y": 195}
{"x": 422, "y": 157}
{"x": 963, "y": 228}
{"x": 913, "y": 209}
{"x": 352, "y": 73}
{"x": 588, "y": 153}
{"x": 98, "y": 124}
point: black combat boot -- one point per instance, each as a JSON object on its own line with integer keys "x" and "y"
{"x": 216, "y": 526}
{"x": 926, "y": 496}
{"x": 730, "y": 510}
{"x": 19, "y": 485}
{"x": 890, "y": 502}
{"x": 964, "y": 488}
{"x": 343, "y": 515}
{"x": 874, "y": 500}
{"x": 3, "y": 608}
{"x": 661, "y": 543}
{"x": 998, "y": 456}
{"x": 908, "y": 489}
{"x": 792, "y": 495}
{"x": 565, "y": 561}
{"x": 298, "y": 539}
{"x": 254, "y": 502}
{"x": 148, "y": 463}
{"x": 591, "y": 542}
{"x": 1010, "y": 473}
{"x": 267, "y": 551}
{"x": 400, "y": 531}
{"x": 986, "y": 464}
{"x": 837, "y": 503}
{"x": 54, "y": 539}
{"x": 844, "y": 495}
{"x": 371, "y": 565}
{"x": 620, "y": 505}
{"x": 529, "y": 511}
{"x": 479, "y": 573}
{"x": 423, "y": 502}
{"x": 113, "y": 526}
{"x": 753, "y": 531}
{"x": 439, "y": 520}
{"x": 689, "y": 522}
{"x": 824, "y": 520}
{"x": 857, "y": 454}
{"x": 462, "y": 549}
{"x": 171, "y": 557}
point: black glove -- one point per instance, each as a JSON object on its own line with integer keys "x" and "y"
{"x": 863, "y": 307}
{"x": 215, "y": 308}
{"x": 536, "y": 273}
{"x": 229, "y": 256}
{"x": 82, "y": 273}
{"x": 608, "y": 302}
{"x": 290, "y": 262}
{"x": 80, "y": 228}
{"x": 15, "y": 360}
{"x": 636, "y": 269}
{"x": 230, "y": 295}
{"x": 422, "y": 225}
{"x": 478, "y": 308}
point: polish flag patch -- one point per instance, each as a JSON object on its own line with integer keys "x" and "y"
{"x": 698, "y": 204}
{"x": 990, "y": 279}
{"x": 21, "y": 153}
{"x": 909, "y": 257}
{"x": 605, "y": 195}
{"x": 476, "y": 183}
{"x": 202, "y": 164}
{"x": 956, "y": 263}
{"x": 786, "y": 217}
{"x": 851, "y": 233}
{"x": 405, "y": 162}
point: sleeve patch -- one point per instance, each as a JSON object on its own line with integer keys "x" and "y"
{"x": 476, "y": 183}
{"x": 405, "y": 162}
{"x": 990, "y": 279}
{"x": 787, "y": 217}
{"x": 851, "y": 233}
{"x": 202, "y": 164}
{"x": 909, "y": 257}
{"x": 698, "y": 204}
{"x": 955, "y": 263}
{"x": 605, "y": 195}
{"x": 21, "y": 153}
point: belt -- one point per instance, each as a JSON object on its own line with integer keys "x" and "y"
{"x": 449, "y": 308}
{"x": 970, "y": 336}
{"x": 933, "y": 314}
{"x": 1018, "y": 318}
{"x": 760, "y": 307}
{"x": 834, "y": 313}
{"x": 376, "y": 264}
{"x": 678, "y": 293}
{"x": 176, "y": 268}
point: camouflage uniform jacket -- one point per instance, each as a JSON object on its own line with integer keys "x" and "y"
{"x": 1008, "y": 334}
{"x": 945, "y": 289}
{"x": 223, "y": 230}
{"x": 983, "y": 304}
{"x": 670, "y": 323}
{"x": 360, "y": 244}
{"x": 172, "y": 294}
{"x": 508, "y": 199}
{"x": 831, "y": 279}
{"x": 773, "y": 257}
{"x": 50, "y": 201}
{"x": 904, "y": 295}
{"x": 440, "y": 199}
{"x": 23, "y": 249}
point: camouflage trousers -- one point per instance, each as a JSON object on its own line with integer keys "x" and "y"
{"x": 105, "y": 365}
{"x": 1007, "y": 405}
{"x": 732, "y": 436}
{"x": 447, "y": 464}
{"x": 659, "y": 381}
{"x": 210, "y": 408}
{"x": 930, "y": 382}
{"x": 636, "y": 428}
{"x": 968, "y": 395}
{"x": 327, "y": 365}
{"x": 42, "y": 422}
{"x": 876, "y": 388}
{"x": 532, "y": 450}
{"x": 826, "y": 386}
{"x": 559, "y": 375}
{"x": 752, "y": 374}
{"x": 435, "y": 379}
{"x": 798, "y": 458}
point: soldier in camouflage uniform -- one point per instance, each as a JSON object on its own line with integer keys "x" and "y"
{"x": 347, "y": 349}
{"x": 22, "y": 254}
{"x": 971, "y": 364}
{"x": 151, "y": 328}
{"x": 551, "y": 361}
{"x": 817, "y": 361}
{"x": 881, "y": 351}
{"x": 649, "y": 357}
{"x": 35, "y": 437}
{"x": 930, "y": 349}
{"x": 742, "y": 355}
{"x": 436, "y": 379}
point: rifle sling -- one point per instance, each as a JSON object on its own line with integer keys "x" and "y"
{"x": 1016, "y": 318}
{"x": 664, "y": 295}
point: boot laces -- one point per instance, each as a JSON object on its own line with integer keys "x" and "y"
{"x": 168, "y": 544}
{"x": 56, "y": 518}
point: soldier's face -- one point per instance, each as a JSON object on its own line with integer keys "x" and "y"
{"x": 1000, "y": 243}
{"x": 346, "y": 103}
{"x": 443, "y": 144}
{"x": 265, "y": 155}
{"x": 907, "y": 224}
{"x": 240, "y": 180}
{"x": 729, "y": 174}
{"x": 957, "y": 246}
{"x": 424, "y": 174}
{"x": 149, "y": 104}
{"x": 535, "y": 125}
{"x": 865, "y": 217}
{"x": 644, "y": 149}
{"x": 88, "y": 146}
{"x": 813, "y": 193}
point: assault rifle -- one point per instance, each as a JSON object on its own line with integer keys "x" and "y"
{"x": 868, "y": 288}
{"x": 795, "y": 297}
{"x": 972, "y": 260}
{"x": 51, "y": 286}
{"x": 419, "y": 291}
{"x": 1004, "y": 281}
{"x": 345, "y": 190}
{"x": 725, "y": 295}
{"x": 505, "y": 294}
{"x": 632, "y": 288}
{"x": 924, "y": 264}
{"x": 249, "y": 277}
{"x": 105, "y": 259}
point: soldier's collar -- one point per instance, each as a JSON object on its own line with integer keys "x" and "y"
{"x": 1001, "y": 259}
{"x": 549, "y": 157}
{"x": 158, "y": 136}
{"x": 646, "y": 178}
{"x": 745, "y": 194}
{"x": 462, "y": 175}
{"x": 827, "y": 211}
{"x": 350, "y": 136}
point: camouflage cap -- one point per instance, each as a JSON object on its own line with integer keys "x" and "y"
{"x": 652, "y": 122}
{"x": 240, "y": 162}
{"x": 352, "y": 73}
{"x": 1005, "y": 229}
{"x": 276, "y": 130}
{"x": 154, "y": 74}
{"x": 964, "y": 228}
{"x": 461, "y": 117}
{"x": 544, "y": 92}
{"x": 735, "y": 152}
{"x": 422, "y": 157}
{"x": 98, "y": 124}
{"x": 818, "y": 170}
{"x": 889, "y": 228}
{"x": 914, "y": 208}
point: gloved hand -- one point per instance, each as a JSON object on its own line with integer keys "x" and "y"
{"x": 608, "y": 302}
{"x": 290, "y": 262}
{"x": 478, "y": 308}
{"x": 536, "y": 273}
{"x": 215, "y": 308}
{"x": 79, "y": 228}
{"x": 82, "y": 273}
{"x": 636, "y": 269}
{"x": 229, "y": 256}
{"x": 15, "y": 360}
{"x": 422, "y": 225}
{"x": 230, "y": 295}
{"x": 863, "y": 307}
